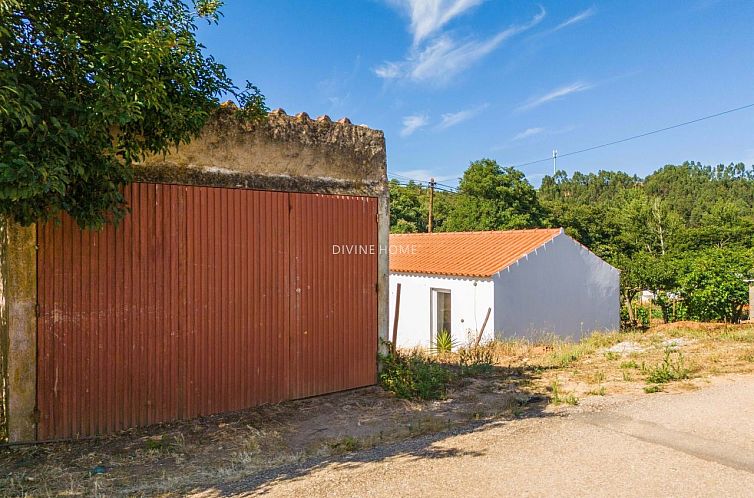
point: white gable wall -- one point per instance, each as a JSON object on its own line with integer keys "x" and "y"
{"x": 562, "y": 288}
{"x": 469, "y": 303}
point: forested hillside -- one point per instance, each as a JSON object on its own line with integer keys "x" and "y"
{"x": 685, "y": 232}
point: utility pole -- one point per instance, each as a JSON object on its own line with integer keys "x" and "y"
{"x": 431, "y": 200}
{"x": 554, "y": 161}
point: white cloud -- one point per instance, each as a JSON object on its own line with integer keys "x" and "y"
{"x": 413, "y": 123}
{"x": 428, "y": 16}
{"x": 444, "y": 57}
{"x": 581, "y": 16}
{"x": 423, "y": 175}
{"x": 558, "y": 93}
{"x": 453, "y": 118}
{"x": 529, "y": 132}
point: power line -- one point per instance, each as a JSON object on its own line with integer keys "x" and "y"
{"x": 653, "y": 132}
{"x": 421, "y": 182}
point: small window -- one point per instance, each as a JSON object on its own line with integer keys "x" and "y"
{"x": 440, "y": 312}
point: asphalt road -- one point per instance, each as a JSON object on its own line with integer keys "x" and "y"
{"x": 699, "y": 443}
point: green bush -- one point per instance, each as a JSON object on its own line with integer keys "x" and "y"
{"x": 413, "y": 376}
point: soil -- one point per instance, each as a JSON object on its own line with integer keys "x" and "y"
{"x": 528, "y": 380}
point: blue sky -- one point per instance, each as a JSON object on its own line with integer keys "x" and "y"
{"x": 451, "y": 81}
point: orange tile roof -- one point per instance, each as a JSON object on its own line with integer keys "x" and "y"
{"x": 473, "y": 254}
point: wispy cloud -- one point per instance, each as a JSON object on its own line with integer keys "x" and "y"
{"x": 453, "y": 118}
{"x": 539, "y": 132}
{"x": 581, "y": 16}
{"x": 428, "y": 16}
{"x": 424, "y": 175}
{"x": 529, "y": 132}
{"x": 555, "y": 94}
{"x": 413, "y": 123}
{"x": 444, "y": 57}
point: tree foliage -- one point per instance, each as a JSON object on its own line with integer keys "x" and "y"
{"x": 89, "y": 87}
{"x": 494, "y": 198}
{"x": 683, "y": 231}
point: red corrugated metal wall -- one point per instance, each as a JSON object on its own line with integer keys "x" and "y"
{"x": 203, "y": 300}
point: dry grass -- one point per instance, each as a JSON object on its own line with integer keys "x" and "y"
{"x": 173, "y": 458}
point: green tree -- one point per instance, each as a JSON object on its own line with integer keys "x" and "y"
{"x": 712, "y": 284}
{"x": 494, "y": 198}
{"x": 89, "y": 87}
{"x": 406, "y": 213}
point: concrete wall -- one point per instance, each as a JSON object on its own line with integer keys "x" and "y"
{"x": 18, "y": 330}
{"x": 470, "y": 299}
{"x": 561, "y": 289}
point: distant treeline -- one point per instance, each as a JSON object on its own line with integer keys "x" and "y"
{"x": 685, "y": 232}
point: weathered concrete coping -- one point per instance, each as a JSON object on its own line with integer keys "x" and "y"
{"x": 280, "y": 152}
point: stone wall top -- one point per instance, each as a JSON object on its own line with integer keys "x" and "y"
{"x": 293, "y": 152}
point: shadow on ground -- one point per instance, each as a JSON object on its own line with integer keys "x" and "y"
{"x": 252, "y": 449}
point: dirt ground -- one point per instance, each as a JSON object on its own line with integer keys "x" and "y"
{"x": 530, "y": 380}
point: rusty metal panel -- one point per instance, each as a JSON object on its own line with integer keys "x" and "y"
{"x": 203, "y": 300}
{"x": 236, "y": 285}
{"x": 104, "y": 338}
{"x": 334, "y": 312}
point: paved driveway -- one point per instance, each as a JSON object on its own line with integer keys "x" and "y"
{"x": 699, "y": 443}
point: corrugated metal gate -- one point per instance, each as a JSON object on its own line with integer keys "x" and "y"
{"x": 203, "y": 300}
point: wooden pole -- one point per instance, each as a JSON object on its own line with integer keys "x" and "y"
{"x": 395, "y": 316}
{"x": 431, "y": 201}
{"x": 481, "y": 331}
{"x": 751, "y": 300}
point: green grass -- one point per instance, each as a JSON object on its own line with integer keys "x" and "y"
{"x": 656, "y": 388}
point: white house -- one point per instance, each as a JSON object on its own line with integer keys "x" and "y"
{"x": 533, "y": 282}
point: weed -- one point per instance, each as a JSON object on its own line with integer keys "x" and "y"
{"x": 428, "y": 425}
{"x": 629, "y": 364}
{"x": 413, "y": 376}
{"x": 476, "y": 360}
{"x": 565, "y": 354}
{"x": 672, "y": 368}
{"x": 748, "y": 357}
{"x": 345, "y": 444}
{"x": 599, "y": 378}
{"x": 601, "y": 391}
{"x": 559, "y": 397}
{"x": 612, "y": 355}
{"x": 159, "y": 443}
{"x": 655, "y": 388}
{"x": 627, "y": 377}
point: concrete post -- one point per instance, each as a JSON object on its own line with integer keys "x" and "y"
{"x": 383, "y": 272}
{"x": 751, "y": 300}
{"x": 18, "y": 327}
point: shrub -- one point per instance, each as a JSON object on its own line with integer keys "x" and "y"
{"x": 444, "y": 343}
{"x": 413, "y": 376}
{"x": 671, "y": 368}
{"x": 476, "y": 360}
